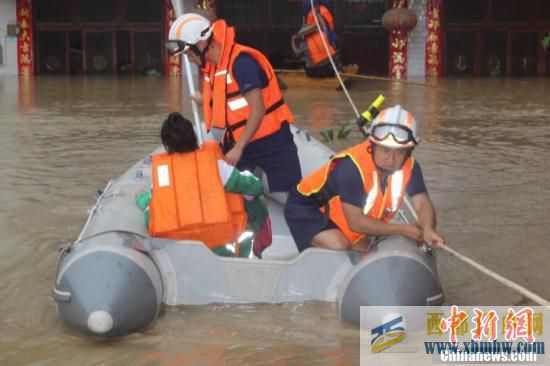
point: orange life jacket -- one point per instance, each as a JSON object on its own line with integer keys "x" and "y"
{"x": 325, "y": 14}
{"x": 315, "y": 49}
{"x": 381, "y": 206}
{"x": 224, "y": 106}
{"x": 188, "y": 199}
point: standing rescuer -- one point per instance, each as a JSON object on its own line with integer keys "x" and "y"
{"x": 240, "y": 98}
{"x": 361, "y": 189}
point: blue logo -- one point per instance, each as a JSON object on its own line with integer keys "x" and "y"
{"x": 388, "y": 334}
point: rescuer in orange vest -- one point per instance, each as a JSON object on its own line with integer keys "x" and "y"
{"x": 308, "y": 42}
{"x": 241, "y": 99}
{"x": 361, "y": 189}
{"x": 196, "y": 195}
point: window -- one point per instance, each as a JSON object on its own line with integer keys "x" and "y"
{"x": 512, "y": 11}
{"x": 147, "y": 53}
{"x": 525, "y": 46}
{"x": 460, "y": 53}
{"x": 98, "y": 12}
{"x": 286, "y": 13}
{"x": 493, "y": 53}
{"x": 360, "y": 13}
{"x": 243, "y": 12}
{"x": 51, "y": 48}
{"x": 544, "y": 11}
{"x": 144, "y": 11}
{"x": 99, "y": 52}
{"x": 52, "y": 11}
{"x": 465, "y": 11}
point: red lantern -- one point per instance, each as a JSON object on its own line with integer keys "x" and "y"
{"x": 399, "y": 19}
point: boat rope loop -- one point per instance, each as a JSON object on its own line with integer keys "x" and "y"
{"x": 506, "y": 282}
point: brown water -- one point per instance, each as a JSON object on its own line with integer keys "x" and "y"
{"x": 484, "y": 152}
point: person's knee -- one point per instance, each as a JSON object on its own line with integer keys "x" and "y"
{"x": 341, "y": 243}
{"x": 331, "y": 240}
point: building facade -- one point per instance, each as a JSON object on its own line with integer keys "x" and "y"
{"x": 452, "y": 37}
{"x": 8, "y": 41}
{"x": 86, "y": 37}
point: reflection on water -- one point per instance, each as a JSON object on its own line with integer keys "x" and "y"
{"x": 484, "y": 152}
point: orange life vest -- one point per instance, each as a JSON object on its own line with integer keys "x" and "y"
{"x": 189, "y": 201}
{"x": 224, "y": 106}
{"x": 381, "y": 206}
{"x": 325, "y": 14}
{"x": 315, "y": 49}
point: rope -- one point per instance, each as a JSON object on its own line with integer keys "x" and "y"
{"x": 357, "y": 114}
{"x": 506, "y": 282}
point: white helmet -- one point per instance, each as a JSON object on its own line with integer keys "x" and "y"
{"x": 186, "y": 31}
{"x": 394, "y": 127}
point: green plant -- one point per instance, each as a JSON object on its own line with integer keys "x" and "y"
{"x": 343, "y": 132}
{"x": 546, "y": 42}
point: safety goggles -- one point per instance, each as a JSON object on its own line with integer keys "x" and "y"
{"x": 176, "y": 46}
{"x": 401, "y": 134}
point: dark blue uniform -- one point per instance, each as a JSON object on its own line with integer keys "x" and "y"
{"x": 277, "y": 153}
{"x": 302, "y": 213}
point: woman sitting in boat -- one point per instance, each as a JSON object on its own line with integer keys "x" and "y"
{"x": 308, "y": 44}
{"x": 196, "y": 195}
{"x": 361, "y": 189}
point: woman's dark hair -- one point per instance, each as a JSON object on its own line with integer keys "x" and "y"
{"x": 177, "y": 134}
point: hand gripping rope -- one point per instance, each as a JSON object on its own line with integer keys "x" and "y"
{"x": 506, "y": 282}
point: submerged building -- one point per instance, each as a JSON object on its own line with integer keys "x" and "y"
{"x": 92, "y": 37}
{"x": 452, "y": 37}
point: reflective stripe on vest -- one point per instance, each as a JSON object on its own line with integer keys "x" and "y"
{"x": 189, "y": 202}
{"x": 378, "y": 205}
{"x": 233, "y": 114}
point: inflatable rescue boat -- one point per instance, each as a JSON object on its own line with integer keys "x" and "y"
{"x": 114, "y": 278}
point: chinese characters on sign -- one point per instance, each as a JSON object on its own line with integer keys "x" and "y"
{"x": 515, "y": 324}
{"x": 24, "y": 42}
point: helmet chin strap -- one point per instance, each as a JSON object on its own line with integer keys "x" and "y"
{"x": 201, "y": 54}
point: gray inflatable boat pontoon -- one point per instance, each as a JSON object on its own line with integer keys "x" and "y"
{"x": 114, "y": 278}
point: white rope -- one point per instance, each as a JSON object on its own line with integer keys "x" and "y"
{"x": 357, "y": 114}
{"x": 514, "y": 286}
{"x": 506, "y": 282}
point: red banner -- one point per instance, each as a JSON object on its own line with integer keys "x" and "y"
{"x": 24, "y": 40}
{"x": 398, "y": 48}
{"x": 173, "y": 64}
{"x": 433, "y": 38}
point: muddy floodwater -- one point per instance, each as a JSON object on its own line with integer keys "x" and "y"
{"x": 485, "y": 153}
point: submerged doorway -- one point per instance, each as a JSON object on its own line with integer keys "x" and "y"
{"x": 99, "y": 37}
{"x": 496, "y": 37}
